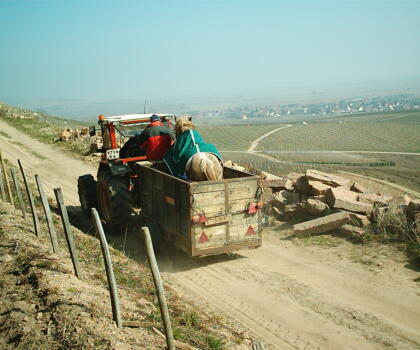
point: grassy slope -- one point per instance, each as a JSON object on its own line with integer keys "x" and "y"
{"x": 65, "y": 300}
{"x": 46, "y": 129}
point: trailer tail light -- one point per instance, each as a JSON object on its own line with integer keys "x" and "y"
{"x": 252, "y": 209}
{"x": 250, "y": 231}
{"x": 203, "y": 238}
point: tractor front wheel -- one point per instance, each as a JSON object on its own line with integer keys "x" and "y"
{"x": 114, "y": 202}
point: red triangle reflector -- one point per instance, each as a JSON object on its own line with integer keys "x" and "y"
{"x": 203, "y": 238}
{"x": 250, "y": 231}
{"x": 252, "y": 209}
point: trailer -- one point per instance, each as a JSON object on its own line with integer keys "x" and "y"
{"x": 203, "y": 218}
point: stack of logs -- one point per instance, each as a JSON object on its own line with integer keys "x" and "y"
{"x": 328, "y": 202}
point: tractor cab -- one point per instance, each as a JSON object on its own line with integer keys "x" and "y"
{"x": 119, "y": 129}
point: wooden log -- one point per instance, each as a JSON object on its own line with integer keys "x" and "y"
{"x": 35, "y": 219}
{"x": 18, "y": 192}
{"x": 6, "y": 180}
{"x": 159, "y": 289}
{"x": 48, "y": 216}
{"x": 321, "y": 225}
{"x": 115, "y": 302}
{"x": 68, "y": 233}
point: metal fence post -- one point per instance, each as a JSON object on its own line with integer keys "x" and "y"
{"x": 159, "y": 289}
{"x": 68, "y": 233}
{"x": 115, "y": 303}
{"x": 18, "y": 193}
{"x": 48, "y": 216}
{"x": 31, "y": 200}
{"x": 6, "y": 179}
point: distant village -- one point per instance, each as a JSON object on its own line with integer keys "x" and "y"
{"x": 401, "y": 102}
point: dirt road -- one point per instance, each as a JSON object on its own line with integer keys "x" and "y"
{"x": 293, "y": 296}
{"x": 254, "y": 143}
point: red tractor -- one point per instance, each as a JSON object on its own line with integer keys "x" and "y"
{"x": 114, "y": 193}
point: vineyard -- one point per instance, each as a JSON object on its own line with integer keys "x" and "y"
{"x": 351, "y": 143}
{"x": 390, "y": 136}
{"x": 234, "y": 137}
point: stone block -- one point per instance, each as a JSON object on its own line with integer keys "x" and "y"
{"x": 321, "y": 225}
{"x": 373, "y": 198}
{"x": 318, "y": 188}
{"x": 358, "y": 220}
{"x": 315, "y": 207}
{"x": 328, "y": 179}
{"x": 332, "y": 194}
{"x": 356, "y": 187}
{"x": 346, "y": 200}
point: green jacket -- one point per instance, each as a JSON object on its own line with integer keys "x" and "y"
{"x": 186, "y": 145}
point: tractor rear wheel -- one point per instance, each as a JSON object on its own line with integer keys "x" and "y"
{"x": 86, "y": 187}
{"x": 114, "y": 202}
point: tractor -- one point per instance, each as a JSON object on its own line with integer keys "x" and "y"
{"x": 115, "y": 192}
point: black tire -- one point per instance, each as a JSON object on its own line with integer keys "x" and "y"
{"x": 86, "y": 187}
{"x": 114, "y": 202}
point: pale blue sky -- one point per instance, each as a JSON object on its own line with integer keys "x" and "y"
{"x": 137, "y": 49}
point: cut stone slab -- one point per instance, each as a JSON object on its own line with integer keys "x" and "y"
{"x": 318, "y": 188}
{"x": 321, "y": 225}
{"x": 353, "y": 206}
{"x": 320, "y": 198}
{"x": 347, "y": 200}
{"x": 356, "y": 187}
{"x": 328, "y": 179}
{"x": 332, "y": 194}
{"x": 373, "y": 198}
{"x": 277, "y": 182}
{"x": 315, "y": 207}
{"x": 359, "y": 220}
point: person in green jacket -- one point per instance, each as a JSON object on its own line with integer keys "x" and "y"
{"x": 190, "y": 158}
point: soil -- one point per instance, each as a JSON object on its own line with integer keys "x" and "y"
{"x": 317, "y": 293}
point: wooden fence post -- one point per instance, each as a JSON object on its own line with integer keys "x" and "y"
{"x": 115, "y": 303}
{"x": 48, "y": 216}
{"x": 2, "y": 188}
{"x": 19, "y": 194}
{"x": 159, "y": 289}
{"x": 31, "y": 200}
{"x": 6, "y": 179}
{"x": 67, "y": 230}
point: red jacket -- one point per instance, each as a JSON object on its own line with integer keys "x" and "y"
{"x": 155, "y": 140}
